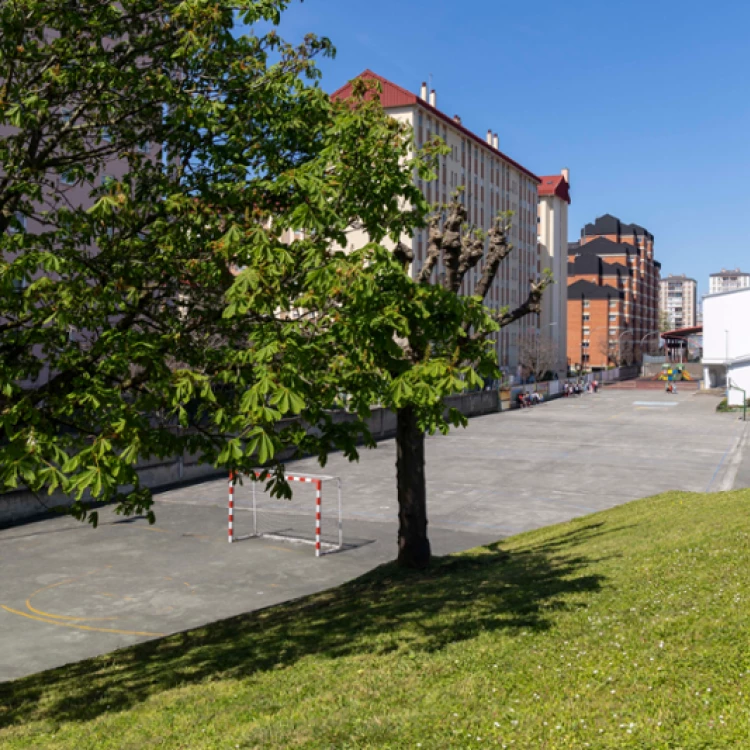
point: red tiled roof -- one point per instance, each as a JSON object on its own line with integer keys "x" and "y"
{"x": 393, "y": 96}
{"x": 678, "y": 332}
{"x": 555, "y": 184}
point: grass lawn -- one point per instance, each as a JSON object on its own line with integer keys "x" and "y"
{"x": 625, "y": 629}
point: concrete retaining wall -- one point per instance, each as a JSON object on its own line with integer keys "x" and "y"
{"x": 21, "y": 505}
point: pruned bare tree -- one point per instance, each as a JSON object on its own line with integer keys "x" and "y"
{"x": 618, "y": 353}
{"x": 538, "y": 354}
{"x": 454, "y": 335}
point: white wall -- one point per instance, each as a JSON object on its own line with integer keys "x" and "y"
{"x": 553, "y": 251}
{"x": 726, "y": 333}
{"x": 739, "y": 376}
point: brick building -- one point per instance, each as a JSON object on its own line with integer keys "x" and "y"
{"x": 613, "y": 293}
{"x": 493, "y": 182}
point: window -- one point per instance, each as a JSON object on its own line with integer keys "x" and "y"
{"x": 585, "y": 344}
{"x": 613, "y": 303}
{"x": 612, "y": 318}
{"x": 586, "y": 303}
{"x": 612, "y": 332}
{"x": 586, "y": 316}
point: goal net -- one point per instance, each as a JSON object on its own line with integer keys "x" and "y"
{"x": 313, "y": 515}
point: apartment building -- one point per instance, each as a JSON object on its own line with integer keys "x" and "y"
{"x": 677, "y": 301}
{"x": 613, "y": 293}
{"x": 728, "y": 281}
{"x": 493, "y": 182}
{"x": 552, "y": 236}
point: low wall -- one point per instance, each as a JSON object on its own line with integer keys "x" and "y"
{"x": 549, "y": 390}
{"x": 21, "y": 505}
{"x": 651, "y": 370}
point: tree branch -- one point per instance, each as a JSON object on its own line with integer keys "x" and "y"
{"x": 433, "y": 250}
{"x": 499, "y": 249}
{"x": 451, "y": 243}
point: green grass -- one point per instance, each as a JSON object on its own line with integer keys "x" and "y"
{"x": 723, "y": 406}
{"x": 626, "y": 629}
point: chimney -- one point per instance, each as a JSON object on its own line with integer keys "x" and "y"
{"x": 457, "y": 119}
{"x": 495, "y": 141}
{"x": 489, "y": 137}
{"x": 433, "y": 98}
{"x": 566, "y": 174}
{"x": 423, "y": 92}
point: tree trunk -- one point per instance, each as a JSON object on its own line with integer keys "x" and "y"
{"x": 413, "y": 544}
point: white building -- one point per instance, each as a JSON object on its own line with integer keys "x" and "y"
{"x": 552, "y": 235}
{"x": 726, "y": 342}
{"x": 677, "y": 300}
{"x": 493, "y": 182}
{"x": 726, "y": 281}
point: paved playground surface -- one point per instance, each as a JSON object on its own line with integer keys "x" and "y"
{"x": 69, "y": 591}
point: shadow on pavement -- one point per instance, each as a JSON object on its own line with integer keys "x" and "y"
{"x": 387, "y": 609}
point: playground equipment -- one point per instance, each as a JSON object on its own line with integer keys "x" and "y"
{"x": 673, "y": 373}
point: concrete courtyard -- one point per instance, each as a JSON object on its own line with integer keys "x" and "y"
{"x": 69, "y": 592}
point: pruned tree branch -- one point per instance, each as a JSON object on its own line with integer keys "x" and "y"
{"x": 498, "y": 251}
{"x": 433, "y": 250}
{"x": 533, "y": 304}
{"x": 451, "y": 243}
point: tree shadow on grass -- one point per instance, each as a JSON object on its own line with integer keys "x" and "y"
{"x": 459, "y": 598}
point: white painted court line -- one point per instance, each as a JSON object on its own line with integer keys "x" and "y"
{"x": 654, "y": 403}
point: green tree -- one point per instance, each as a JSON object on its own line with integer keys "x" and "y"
{"x": 152, "y": 165}
{"x": 420, "y": 340}
{"x": 152, "y": 160}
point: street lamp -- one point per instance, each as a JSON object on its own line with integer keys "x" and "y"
{"x": 726, "y": 359}
{"x": 619, "y": 342}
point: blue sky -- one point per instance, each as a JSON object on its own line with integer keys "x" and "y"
{"x": 647, "y": 103}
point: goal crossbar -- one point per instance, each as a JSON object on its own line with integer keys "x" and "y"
{"x": 317, "y": 481}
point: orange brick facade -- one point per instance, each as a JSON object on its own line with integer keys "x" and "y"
{"x": 613, "y": 294}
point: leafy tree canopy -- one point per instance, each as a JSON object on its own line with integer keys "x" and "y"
{"x": 153, "y": 160}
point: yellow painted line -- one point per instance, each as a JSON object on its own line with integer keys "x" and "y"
{"x": 61, "y": 617}
{"x": 82, "y": 627}
{"x": 66, "y": 617}
{"x": 619, "y": 414}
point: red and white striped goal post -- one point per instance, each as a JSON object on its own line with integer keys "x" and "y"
{"x": 317, "y": 481}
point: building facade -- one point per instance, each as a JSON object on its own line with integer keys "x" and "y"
{"x": 613, "y": 294}
{"x": 727, "y": 281}
{"x": 678, "y": 301}
{"x": 726, "y": 342}
{"x": 492, "y": 182}
{"x": 552, "y": 235}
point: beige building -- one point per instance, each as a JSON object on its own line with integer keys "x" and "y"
{"x": 678, "y": 301}
{"x": 493, "y": 182}
{"x": 728, "y": 281}
{"x": 552, "y": 228}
